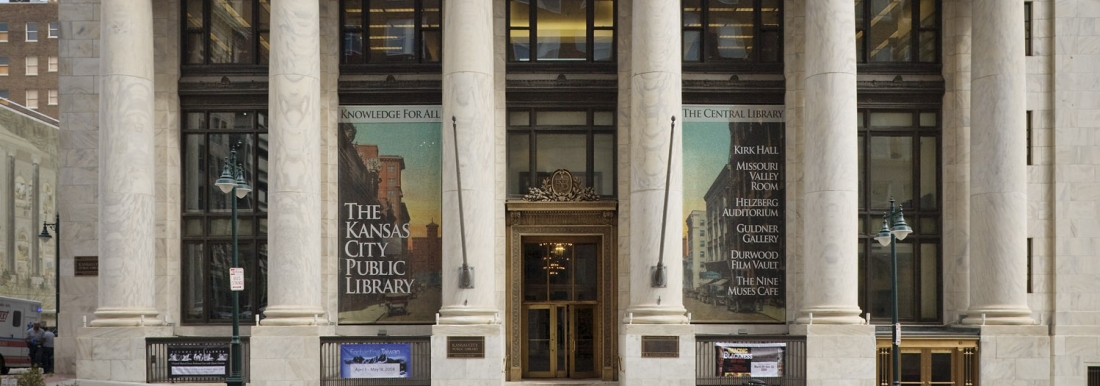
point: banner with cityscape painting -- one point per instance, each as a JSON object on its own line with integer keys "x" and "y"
{"x": 734, "y": 213}
{"x": 390, "y": 212}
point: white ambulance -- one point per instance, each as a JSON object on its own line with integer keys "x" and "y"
{"x": 16, "y": 316}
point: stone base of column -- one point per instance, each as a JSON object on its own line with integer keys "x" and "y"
{"x": 125, "y": 317}
{"x": 114, "y": 353}
{"x": 640, "y": 371}
{"x": 1014, "y": 355}
{"x": 830, "y": 315}
{"x": 653, "y": 314}
{"x": 462, "y": 315}
{"x": 838, "y": 354}
{"x": 287, "y": 355}
{"x": 1013, "y": 316}
{"x": 292, "y": 316}
{"x": 468, "y": 371}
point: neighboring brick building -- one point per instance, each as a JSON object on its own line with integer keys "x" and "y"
{"x": 29, "y": 63}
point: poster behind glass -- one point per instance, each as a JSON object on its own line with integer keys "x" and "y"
{"x": 734, "y": 211}
{"x": 390, "y": 213}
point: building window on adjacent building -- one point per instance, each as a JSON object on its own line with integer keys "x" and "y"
{"x": 1094, "y": 376}
{"x": 233, "y": 32}
{"x": 1027, "y": 28}
{"x": 51, "y": 97}
{"x": 54, "y": 32}
{"x": 722, "y": 31}
{"x": 899, "y": 158}
{"x": 542, "y": 141}
{"x": 4, "y": 61}
{"x": 4, "y": 94}
{"x": 897, "y": 31}
{"x": 560, "y": 31}
{"x": 3, "y": 32}
{"x": 32, "y": 99}
{"x": 207, "y": 139}
{"x": 32, "y": 66}
{"x": 52, "y": 63}
{"x": 32, "y": 32}
{"x": 391, "y": 31}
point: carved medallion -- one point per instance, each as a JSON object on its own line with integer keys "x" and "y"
{"x": 561, "y": 186}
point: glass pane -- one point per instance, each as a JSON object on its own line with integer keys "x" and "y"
{"x": 561, "y": 151}
{"x": 729, "y": 32}
{"x": 584, "y": 271}
{"x": 769, "y": 13}
{"x": 910, "y": 367}
{"x": 882, "y": 303}
{"x": 265, "y": 47}
{"x": 262, "y": 228}
{"x": 929, "y": 225}
{"x": 603, "y": 157}
{"x": 194, "y": 13}
{"x": 192, "y": 227}
{"x": 519, "y": 163}
{"x": 928, "y": 119}
{"x": 693, "y": 14}
{"x": 353, "y": 47}
{"x": 604, "y": 15}
{"x": 194, "y": 50}
{"x": 519, "y": 13}
{"x": 602, "y": 43}
{"x": 230, "y": 120}
{"x": 562, "y": 30}
{"x": 223, "y": 226}
{"x": 231, "y": 31}
{"x": 521, "y": 45}
{"x": 891, "y": 119}
{"x": 769, "y": 46}
{"x": 194, "y": 173}
{"x": 557, "y": 259}
{"x": 928, "y": 13}
{"x": 891, "y": 30}
{"x": 692, "y": 45}
{"x": 432, "y": 46}
{"x": 261, "y": 277}
{"x": 430, "y": 14}
{"x": 220, "y": 295}
{"x": 862, "y": 173}
{"x": 561, "y": 118}
{"x": 392, "y": 31}
{"x": 534, "y": 272}
{"x": 603, "y": 118}
{"x": 928, "y": 46}
{"x": 941, "y": 367}
{"x": 862, "y": 257}
{"x": 538, "y": 340}
{"x": 891, "y": 171}
{"x": 929, "y": 282}
{"x": 353, "y": 13}
{"x": 519, "y": 118}
{"x": 192, "y": 283}
{"x": 584, "y": 339}
{"x": 929, "y": 184}
{"x": 259, "y": 184}
{"x": 562, "y": 345}
{"x": 265, "y": 15}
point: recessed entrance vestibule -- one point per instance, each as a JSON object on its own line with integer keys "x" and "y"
{"x": 561, "y": 303}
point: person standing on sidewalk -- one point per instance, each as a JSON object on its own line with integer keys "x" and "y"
{"x": 45, "y": 354}
{"x": 34, "y": 341}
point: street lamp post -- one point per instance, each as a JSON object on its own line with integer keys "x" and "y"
{"x": 893, "y": 229}
{"x": 237, "y": 188}
{"x": 45, "y": 236}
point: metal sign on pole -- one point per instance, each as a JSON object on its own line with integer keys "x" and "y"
{"x": 236, "y": 279}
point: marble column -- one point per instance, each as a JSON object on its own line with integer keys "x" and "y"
{"x": 294, "y": 217}
{"x": 127, "y": 232}
{"x": 654, "y": 100}
{"x": 830, "y": 289}
{"x": 468, "y": 95}
{"x": 998, "y": 167}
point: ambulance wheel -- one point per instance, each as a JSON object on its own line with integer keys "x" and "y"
{"x": 3, "y": 366}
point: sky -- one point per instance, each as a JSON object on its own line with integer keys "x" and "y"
{"x": 706, "y": 151}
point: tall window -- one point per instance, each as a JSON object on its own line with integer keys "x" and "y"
{"x": 208, "y": 137}
{"x": 52, "y": 63}
{"x": 32, "y": 99}
{"x": 32, "y": 66}
{"x": 32, "y": 32}
{"x": 563, "y": 30}
{"x": 226, "y": 31}
{"x": 542, "y": 141}
{"x": 730, "y": 31}
{"x": 3, "y": 32}
{"x": 1027, "y": 28}
{"x": 897, "y": 31}
{"x": 51, "y": 97}
{"x": 4, "y": 61}
{"x": 53, "y": 32}
{"x": 899, "y": 159}
{"x": 391, "y": 31}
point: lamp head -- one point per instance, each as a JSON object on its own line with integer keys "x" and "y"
{"x": 45, "y": 235}
{"x": 226, "y": 182}
{"x": 883, "y": 235}
{"x": 900, "y": 229}
{"x": 242, "y": 187}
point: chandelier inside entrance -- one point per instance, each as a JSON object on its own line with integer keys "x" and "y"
{"x": 556, "y": 258}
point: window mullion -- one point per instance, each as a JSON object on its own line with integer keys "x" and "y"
{"x": 418, "y": 38}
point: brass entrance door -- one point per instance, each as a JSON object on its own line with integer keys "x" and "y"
{"x": 560, "y": 308}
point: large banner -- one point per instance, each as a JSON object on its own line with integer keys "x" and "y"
{"x": 757, "y": 360}
{"x": 390, "y": 213}
{"x": 198, "y": 360}
{"x": 375, "y": 360}
{"x": 734, "y": 212}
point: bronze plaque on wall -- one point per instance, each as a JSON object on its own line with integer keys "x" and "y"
{"x": 660, "y": 347}
{"x": 85, "y": 265}
{"x": 465, "y": 347}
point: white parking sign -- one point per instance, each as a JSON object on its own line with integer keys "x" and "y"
{"x": 236, "y": 279}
